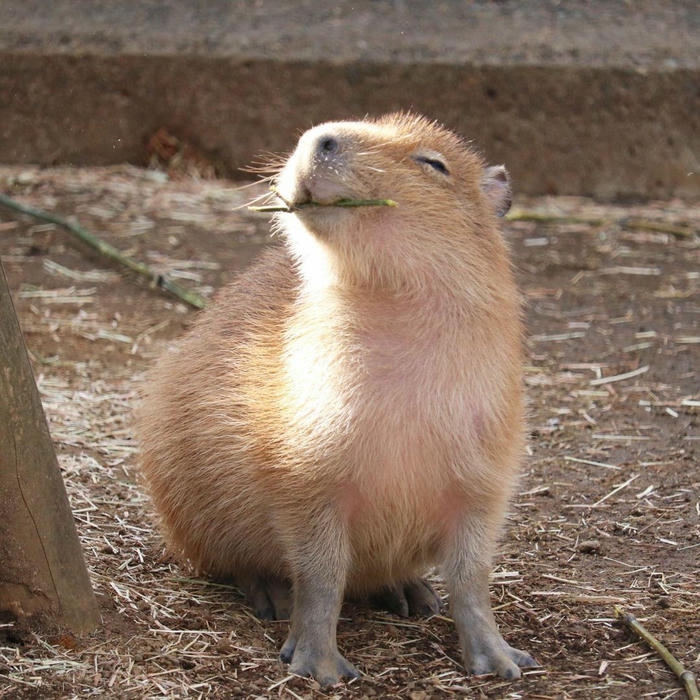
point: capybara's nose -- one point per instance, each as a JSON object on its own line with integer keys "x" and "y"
{"x": 327, "y": 145}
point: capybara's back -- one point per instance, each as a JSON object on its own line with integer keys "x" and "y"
{"x": 200, "y": 448}
{"x": 349, "y": 411}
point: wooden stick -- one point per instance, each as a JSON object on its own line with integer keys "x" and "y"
{"x": 108, "y": 251}
{"x": 658, "y": 227}
{"x": 686, "y": 677}
{"x": 624, "y": 222}
{"x": 539, "y": 218}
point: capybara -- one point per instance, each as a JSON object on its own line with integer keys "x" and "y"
{"x": 348, "y": 413}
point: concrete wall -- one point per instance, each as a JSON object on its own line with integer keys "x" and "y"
{"x": 593, "y": 101}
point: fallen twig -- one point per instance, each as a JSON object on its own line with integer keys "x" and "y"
{"x": 108, "y": 251}
{"x": 624, "y": 222}
{"x": 657, "y": 227}
{"x": 539, "y": 218}
{"x": 686, "y": 677}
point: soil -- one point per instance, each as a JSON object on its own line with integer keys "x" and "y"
{"x": 607, "y": 513}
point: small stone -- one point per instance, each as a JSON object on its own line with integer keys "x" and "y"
{"x": 26, "y": 177}
{"x": 589, "y": 546}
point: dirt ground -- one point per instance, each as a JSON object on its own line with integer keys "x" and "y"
{"x": 608, "y": 511}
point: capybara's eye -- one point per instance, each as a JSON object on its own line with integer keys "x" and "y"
{"x": 433, "y": 162}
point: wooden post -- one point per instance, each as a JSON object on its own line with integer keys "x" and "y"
{"x": 43, "y": 578}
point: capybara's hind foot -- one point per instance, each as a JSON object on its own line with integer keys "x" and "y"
{"x": 269, "y": 596}
{"x": 408, "y": 598}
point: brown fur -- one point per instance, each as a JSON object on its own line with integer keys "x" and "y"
{"x": 350, "y": 409}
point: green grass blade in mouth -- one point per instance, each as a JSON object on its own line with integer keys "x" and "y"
{"x": 289, "y": 208}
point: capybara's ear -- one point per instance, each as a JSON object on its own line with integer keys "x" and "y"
{"x": 495, "y": 184}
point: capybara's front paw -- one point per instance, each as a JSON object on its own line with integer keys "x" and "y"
{"x": 504, "y": 662}
{"x": 328, "y": 667}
